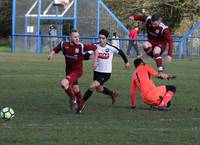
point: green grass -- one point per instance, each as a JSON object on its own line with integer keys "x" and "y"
{"x": 30, "y": 85}
{"x": 4, "y": 48}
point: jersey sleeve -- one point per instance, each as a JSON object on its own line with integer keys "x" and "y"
{"x": 133, "y": 93}
{"x": 89, "y": 47}
{"x": 140, "y": 18}
{"x": 120, "y": 52}
{"x": 151, "y": 71}
{"x": 168, "y": 38}
{"x": 58, "y": 48}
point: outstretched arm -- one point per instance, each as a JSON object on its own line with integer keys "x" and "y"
{"x": 50, "y": 56}
{"x": 55, "y": 50}
{"x": 121, "y": 53}
{"x": 154, "y": 73}
{"x": 138, "y": 17}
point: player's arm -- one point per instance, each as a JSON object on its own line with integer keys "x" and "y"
{"x": 168, "y": 38}
{"x": 123, "y": 56}
{"x": 89, "y": 47}
{"x": 133, "y": 93}
{"x": 138, "y": 17}
{"x": 154, "y": 73}
{"x": 55, "y": 50}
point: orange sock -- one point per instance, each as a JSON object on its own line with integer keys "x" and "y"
{"x": 166, "y": 98}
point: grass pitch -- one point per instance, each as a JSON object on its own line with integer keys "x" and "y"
{"x": 30, "y": 85}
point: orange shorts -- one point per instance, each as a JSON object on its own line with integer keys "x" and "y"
{"x": 154, "y": 97}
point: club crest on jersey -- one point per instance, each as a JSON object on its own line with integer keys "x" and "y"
{"x": 76, "y": 50}
{"x": 157, "y": 31}
{"x": 107, "y": 50}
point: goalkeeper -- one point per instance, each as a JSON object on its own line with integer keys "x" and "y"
{"x": 157, "y": 97}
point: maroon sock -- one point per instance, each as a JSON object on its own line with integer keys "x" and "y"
{"x": 79, "y": 99}
{"x": 70, "y": 93}
{"x": 159, "y": 64}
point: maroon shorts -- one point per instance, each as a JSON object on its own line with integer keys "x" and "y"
{"x": 161, "y": 45}
{"x": 73, "y": 77}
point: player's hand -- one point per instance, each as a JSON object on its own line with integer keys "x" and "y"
{"x": 168, "y": 58}
{"x": 171, "y": 77}
{"x": 131, "y": 18}
{"x": 161, "y": 75}
{"x": 127, "y": 65}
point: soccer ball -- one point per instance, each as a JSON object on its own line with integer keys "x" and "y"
{"x": 7, "y": 113}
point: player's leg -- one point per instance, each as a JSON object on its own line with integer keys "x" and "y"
{"x": 156, "y": 52}
{"x": 147, "y": 46}
{"x": 135, "y": 46}
{"x": 128, "y": 52}
{"x": 106, "y": 91}
{"x": 170, "y": 90}
{"x": 65, "y": 84}
{"x": 91, "y": 89}
{"x": 78, "y": 95}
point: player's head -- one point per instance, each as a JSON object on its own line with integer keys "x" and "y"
{"x": 155, "y": 20}
{"x": 103, "y": 37}
{"x": 115, "y": 34}
{"x": 138, "y": 61}
{"x": 52, "y": 26}
{"x": 74, "y": 36}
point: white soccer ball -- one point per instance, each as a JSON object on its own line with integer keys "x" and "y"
{"x": 7, "y": 113}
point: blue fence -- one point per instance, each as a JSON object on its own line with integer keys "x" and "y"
{"x": 182, "y": 44}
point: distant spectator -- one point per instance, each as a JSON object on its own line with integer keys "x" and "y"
{"x": 115, "y": 42}
{"x": 133, "y": 43}
{"x": 52, "y": 32}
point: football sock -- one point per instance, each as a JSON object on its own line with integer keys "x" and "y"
{"x": 107, "y": 91}
{"x": 159, "y": 64}
{"x": 87, "y": 95}
{"x": 70, "y": 93}
{"x": 79, "y": 98}
{"x": 167, "y": 98}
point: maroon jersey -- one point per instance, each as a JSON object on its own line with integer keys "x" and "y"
{"x": 74, "y": 54}
{"x": 160, "y": 35}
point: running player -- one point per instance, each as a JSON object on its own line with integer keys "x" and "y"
{"x": 103, "y": 70}
{"x": 158, "y": 37}
{"x": 158, "y": 97}
{"x": 73, "y": 52}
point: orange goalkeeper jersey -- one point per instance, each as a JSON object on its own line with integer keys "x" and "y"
{"x": 141, "y": 80}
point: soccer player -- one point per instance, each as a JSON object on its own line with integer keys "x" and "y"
{"x": 73, "y": 52}
{"x": 103, "y": 70}
{"x": 158, "y": 37}
{"x": 157, "y": 97}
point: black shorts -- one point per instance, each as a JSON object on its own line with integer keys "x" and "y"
{"x": 101, "y": 77}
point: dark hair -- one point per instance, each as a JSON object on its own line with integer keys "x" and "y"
{"x": 155, "y": 17}
{"x": 138, "y": 61}
{"x": 104, "y": 32}
{"x": 115, "y": 34}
